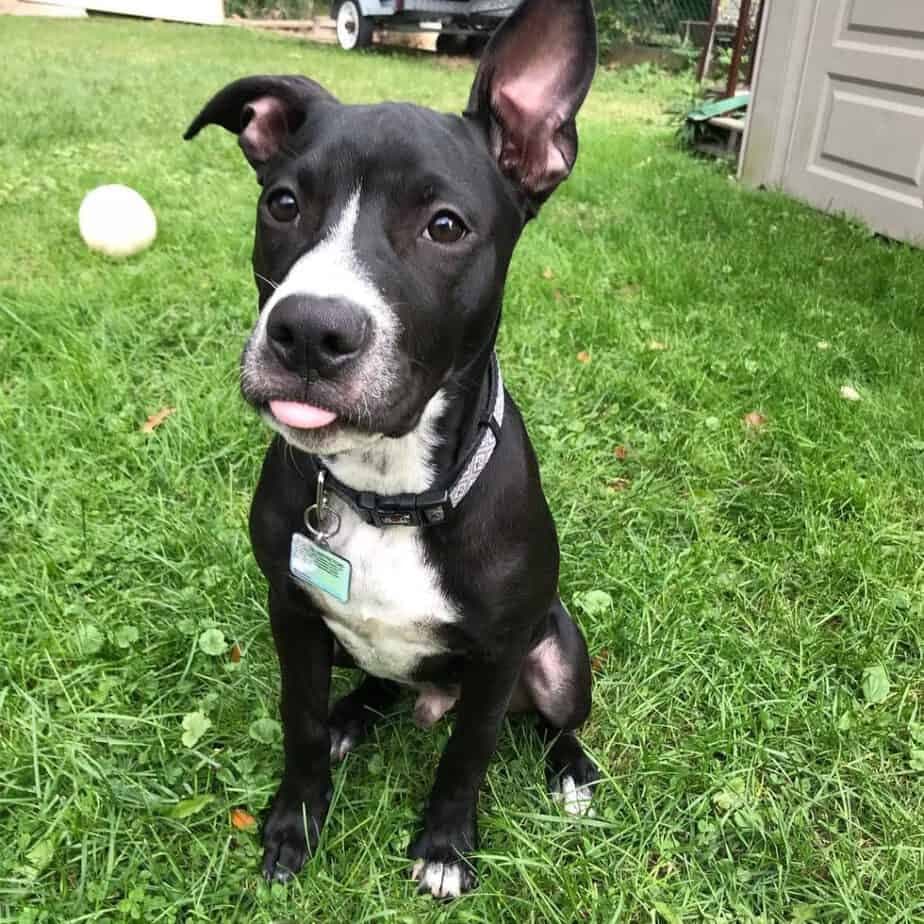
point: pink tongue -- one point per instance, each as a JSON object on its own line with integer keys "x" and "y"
{"x": 301, "y": 416}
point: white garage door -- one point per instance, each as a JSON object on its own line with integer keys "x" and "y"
{"x": 854, "y": 107}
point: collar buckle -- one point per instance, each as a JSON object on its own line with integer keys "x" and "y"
{"x": 403, "y": 509}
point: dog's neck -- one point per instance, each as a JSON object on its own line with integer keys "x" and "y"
{"x": 422, "y": 458}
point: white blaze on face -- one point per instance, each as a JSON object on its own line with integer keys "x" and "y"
{"x": 332, "y": 269}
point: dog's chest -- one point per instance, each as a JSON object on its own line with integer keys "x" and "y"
{"x": 396, "y": 608}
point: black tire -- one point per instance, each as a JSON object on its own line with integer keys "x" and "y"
{"x": 450, "y": 43}
{"x": 353, "y": 29}
{"x": 476, "y": 44}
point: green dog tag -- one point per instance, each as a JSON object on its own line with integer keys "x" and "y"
{"x": 316, "y": 566}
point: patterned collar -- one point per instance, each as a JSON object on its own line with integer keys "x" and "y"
{"x": 435, "y": 505}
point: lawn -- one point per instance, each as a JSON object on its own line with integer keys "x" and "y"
{"x": 752, "y": 587}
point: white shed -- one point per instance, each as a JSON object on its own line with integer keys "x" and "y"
{"x": 837, "y": 114}
{"x": 206, "y": 12}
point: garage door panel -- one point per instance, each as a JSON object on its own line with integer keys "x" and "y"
{"x": 873, "y": 129}
{"x": 858, "y": 144}
{"x": 895, "y": 17}
{"x": 879, "y": 63}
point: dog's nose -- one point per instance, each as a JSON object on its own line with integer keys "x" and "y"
{"x": 316, "y": 336}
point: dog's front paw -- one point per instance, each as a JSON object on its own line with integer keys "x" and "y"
{"x": 444, "y": 867}
{"x": 444, "y": 880}
{"x": 290, "y": 834}
{"x": 348, "y": 725}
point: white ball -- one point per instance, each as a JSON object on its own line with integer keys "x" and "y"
{"x": 116, "y": 221}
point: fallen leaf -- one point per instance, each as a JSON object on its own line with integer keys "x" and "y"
{"x": 195, "y": 725}
{"x": 583, "y": 357}
{"x": 823, "y": 345}
{"x": 212, "y": 642}
{"x": 876, "y": 685}
{"x": 620, "y": 452}
{"x": 242, "y": 819}
{"x": 155, "y": 420}
{"x": 657, "y": 345}
{"x": 619, "y": 484}
{"x": 189, "y": 806}
{"x": 235, "y": 653}
{"x": 599, "y": 660}
{"x": 125, "y": 636}
{"x": 89, "y": 639}
{"x": 547, "y": 273}
{"x": 266, "y": 731}
{"x": 629, "y": 290}
{"x": 802, "y": 913}
{"x": 668, "y": 912}
{"x": 593, "y": 602}
{"x": 37, "y": 858}
{"x": 849, "y": 393}
{"x": 754, "y": 420}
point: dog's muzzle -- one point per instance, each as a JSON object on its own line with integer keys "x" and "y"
{"x": 316, "y": 338}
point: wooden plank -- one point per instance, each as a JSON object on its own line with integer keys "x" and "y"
{"x": 728, "y": 123}
{"x": 719, "y": 107}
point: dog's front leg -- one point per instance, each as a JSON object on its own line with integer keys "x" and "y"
{"x": 305, "y": 648}
{"x": 450, "y": 827}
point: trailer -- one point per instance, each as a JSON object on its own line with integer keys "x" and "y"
{"x": 463, "y": 25}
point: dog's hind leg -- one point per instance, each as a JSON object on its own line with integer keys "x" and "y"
{"x": 354, "y": 714}
{"x": 555, "y": 681}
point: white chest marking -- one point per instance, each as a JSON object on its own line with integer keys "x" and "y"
{"x": 396, "y": 607}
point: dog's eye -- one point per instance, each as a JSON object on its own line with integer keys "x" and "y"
{"x": 282, "y": 206}
{"x": 446, "y": 227}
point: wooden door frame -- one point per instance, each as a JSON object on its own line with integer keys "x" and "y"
{"x": 782, "y": 56}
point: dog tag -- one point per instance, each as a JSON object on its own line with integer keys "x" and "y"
{"x": 316, "y": 566}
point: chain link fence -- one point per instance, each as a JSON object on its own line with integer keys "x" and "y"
{"x": 620, "y": 22}
{"x": 659, "y": 22}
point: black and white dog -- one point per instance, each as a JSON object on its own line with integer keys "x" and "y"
{"x": 399, "y": 518}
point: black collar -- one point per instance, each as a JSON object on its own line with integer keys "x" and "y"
{"x": 435, "y": 505}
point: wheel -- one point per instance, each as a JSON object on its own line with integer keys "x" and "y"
{"x": 353, "y": 29}
{"x": 476, "y": 44}
{"x": 450, "y": 43}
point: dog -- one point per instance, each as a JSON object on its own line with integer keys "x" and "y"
{"x": 399, "y": 519}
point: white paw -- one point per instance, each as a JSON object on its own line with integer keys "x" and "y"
{"x": 340, "y": 745}
{"x": 573, "y": 798}
{"x": 441, "y": 880}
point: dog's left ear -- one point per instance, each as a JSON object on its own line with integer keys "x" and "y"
{"x": 262, "y": 111}
{"x": 532, "y": 79}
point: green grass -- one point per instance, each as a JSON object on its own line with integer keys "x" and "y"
{"x": 745, "y": 579}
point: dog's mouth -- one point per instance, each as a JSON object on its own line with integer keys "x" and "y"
{"x": 311, "y": 428}
{"x": 299, "y": 415}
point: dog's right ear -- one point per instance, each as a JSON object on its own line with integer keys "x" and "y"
{"x": 262, "y": 111}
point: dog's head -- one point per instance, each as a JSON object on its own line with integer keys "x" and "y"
{"x": 384, "y": 232}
